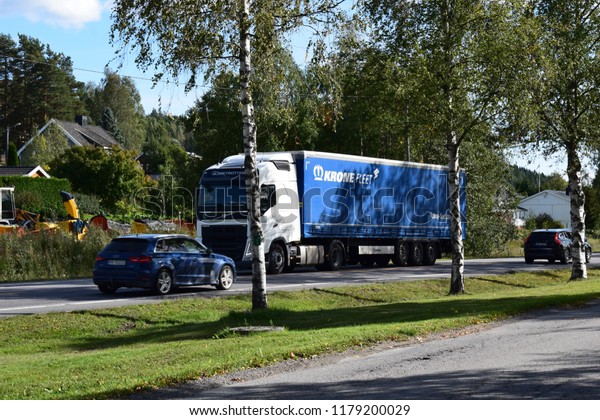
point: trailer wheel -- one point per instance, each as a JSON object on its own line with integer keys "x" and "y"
{"x": 400, "y": 257}
{"x": 416, "y": 254}
{"x": 430, "y": 254}
{"x": 276, "y": 259}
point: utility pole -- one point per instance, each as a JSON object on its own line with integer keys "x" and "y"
{"x": 8, "y": 142}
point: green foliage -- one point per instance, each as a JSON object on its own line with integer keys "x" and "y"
{"x": 13, "y": 156}
{"x": 122, "y": 97}
{"x": 542, "y": 221}
{"x": 113, "y": 176}
{"x": 36, "y": 83}
{"x": 39, "y": 195}
{"x": 109, "y": 123}
{"x": 49, "y": 255}
{"x": 528, "y": 183}
{"x": 45, "y": 147}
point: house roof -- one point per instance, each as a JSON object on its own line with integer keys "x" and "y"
{"x": 79, "y": 134}
{"x": 88, "y": 135}
{"x": 560, "y": 195}
{"x": 30, "y": 171}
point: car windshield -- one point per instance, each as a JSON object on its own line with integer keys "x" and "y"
{"x": 127, "y": 245}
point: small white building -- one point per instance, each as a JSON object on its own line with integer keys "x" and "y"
{"x": 555, "y": 203}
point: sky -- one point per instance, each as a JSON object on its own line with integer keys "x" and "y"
{"x": 80, "y": 29}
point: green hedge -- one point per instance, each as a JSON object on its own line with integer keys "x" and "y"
{"x": 39, "y": 195}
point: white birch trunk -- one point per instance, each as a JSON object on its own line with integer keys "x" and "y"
{"x": 259, "y": 277}
{"x": 457, "y": 280}
{"x": 579, "y": 269}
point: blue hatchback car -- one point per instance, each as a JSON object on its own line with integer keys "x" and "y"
{"x": 160, "y": 262}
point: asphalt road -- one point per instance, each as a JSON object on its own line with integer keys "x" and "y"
{"x": 81, "y": 294}
{"x": 551, "y": 354}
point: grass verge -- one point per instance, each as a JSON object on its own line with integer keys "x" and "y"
{"x": 114, "y": 352}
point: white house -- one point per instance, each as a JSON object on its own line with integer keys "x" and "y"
{"x": 555, "y": 203}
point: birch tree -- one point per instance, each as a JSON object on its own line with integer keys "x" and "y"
{"x": 567, "y": 96}
{"x": 462, "y": 58}
{"x": 203, "y": 37}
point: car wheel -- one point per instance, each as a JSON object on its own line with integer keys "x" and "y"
{"x": 276, "y": 259}
{"x": 109, "y": 289}
{"x": 225, "y": 279}
{"x": 164, "y": 282}
{"x": 551, "y": 260}
{"x": 400, "y": 257}
{"x": 528, "y": 260}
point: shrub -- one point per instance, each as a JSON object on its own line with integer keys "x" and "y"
{"x": 542, "y": 221}
{"x": 49, "y": 255}
{"x": 38, "y": 195}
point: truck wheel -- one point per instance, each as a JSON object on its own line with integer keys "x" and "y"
{"x": 335, "y": 256}
{"x": 430, "y": 254}
{"x": 416, "y": 254}
{"x": 276, "y": 259}
{"x": 400, "y": 257}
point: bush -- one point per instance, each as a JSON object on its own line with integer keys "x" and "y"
{"x": 49, "y": 255}
{"x": 38, "y": 195}
{"x": 542, "y": 221}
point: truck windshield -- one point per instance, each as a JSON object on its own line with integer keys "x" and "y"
{"x": 222, "y": 199}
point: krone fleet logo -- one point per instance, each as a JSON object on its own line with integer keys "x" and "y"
{"x": 318, "y": 172}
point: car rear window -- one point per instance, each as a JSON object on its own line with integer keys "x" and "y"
{"x": 543, "y": 236}
{"x": 127, "y": 245}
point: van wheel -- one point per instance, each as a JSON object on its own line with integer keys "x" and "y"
{"x": 276, "y": 260}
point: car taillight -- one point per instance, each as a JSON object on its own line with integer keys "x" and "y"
{"x": 99, "y": 258}
{"x": 556, "y": 240}
{"x": 527, "y": 239}
{"x": 140, "y": 259}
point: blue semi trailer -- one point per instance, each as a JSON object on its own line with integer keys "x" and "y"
{"x": 328, "y": 210}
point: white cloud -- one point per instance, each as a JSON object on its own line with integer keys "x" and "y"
{"x": 65, "y": 13}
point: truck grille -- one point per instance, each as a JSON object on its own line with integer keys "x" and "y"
{"x": 228, "y": 240}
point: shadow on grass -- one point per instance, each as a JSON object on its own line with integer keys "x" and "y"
{"x": 503, "y": 283}
{"x": 400, "y": 313}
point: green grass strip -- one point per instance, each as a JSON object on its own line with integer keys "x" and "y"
{"x": 111, "y": 353}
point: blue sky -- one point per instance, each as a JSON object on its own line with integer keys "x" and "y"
{"x": 80, "y": 29}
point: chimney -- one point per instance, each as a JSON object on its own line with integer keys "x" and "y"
{"x": 82, "y": 120}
